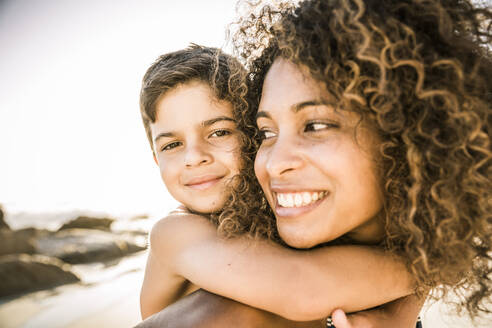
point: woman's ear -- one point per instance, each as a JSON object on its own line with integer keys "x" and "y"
{"x": 155, "y": 158}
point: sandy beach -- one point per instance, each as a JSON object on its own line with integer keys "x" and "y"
{"x": 109, "y": 298}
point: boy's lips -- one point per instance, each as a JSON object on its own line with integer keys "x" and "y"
{"x": 203, "y": 182}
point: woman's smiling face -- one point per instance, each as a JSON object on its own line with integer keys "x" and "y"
{"x": 316, "y": 165}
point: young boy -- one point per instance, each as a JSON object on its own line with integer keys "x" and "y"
{"x": 190, "y": 121}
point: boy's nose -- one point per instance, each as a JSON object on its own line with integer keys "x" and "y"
{"x": 197, "y": 155}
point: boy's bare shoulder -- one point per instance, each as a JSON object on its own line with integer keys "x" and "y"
{"x": 179, "y": 217}
{"x": 180, "y": 210}
{"x": 179, "y": 224}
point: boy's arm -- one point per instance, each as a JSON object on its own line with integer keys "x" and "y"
{"x": 298, "y": 285}
{"x": 161, "y": 286}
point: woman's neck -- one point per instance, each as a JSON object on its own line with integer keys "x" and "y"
{"x": 371, "y": 232}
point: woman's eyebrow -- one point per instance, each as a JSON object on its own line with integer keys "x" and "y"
{"x": 300, "y": 106}
{"x": 217, "y": 119}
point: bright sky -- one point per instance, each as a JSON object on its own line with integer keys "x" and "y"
{"x": 71, "y": 136}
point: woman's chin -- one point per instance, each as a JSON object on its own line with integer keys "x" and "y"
{"x": 307, "y": 233}
{"x": 299, "y": 240}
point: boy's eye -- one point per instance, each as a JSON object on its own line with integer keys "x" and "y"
{"x": 171, "y": 145}
{"x": 318, "y": 126}
{"x": 220, "y": 133}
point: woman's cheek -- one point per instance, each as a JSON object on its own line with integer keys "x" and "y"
{"x": 260, "y": 168}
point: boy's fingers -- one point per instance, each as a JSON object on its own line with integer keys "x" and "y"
{"x": 356, "y": 320}
{"x": 340, "y": 320}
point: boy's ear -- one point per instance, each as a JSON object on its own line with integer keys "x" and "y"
{"x": 155, "y": 159}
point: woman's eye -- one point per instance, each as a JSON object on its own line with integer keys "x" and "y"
{"x": 318, "y": 126}
{"x": 171, "y": 145}
{"x": 266, "y": 134}
{"x": 220, "y": 133}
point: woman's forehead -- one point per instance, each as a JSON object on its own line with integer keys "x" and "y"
{"x": 288, "y": 82}
{"x": 291, "y": 85}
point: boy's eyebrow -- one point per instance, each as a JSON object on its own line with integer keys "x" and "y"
{"x": 217, "y": 119}
{"x": 163, "y": 135}
{"x": 204, "y": 123}
{"x": 298, "y": 107}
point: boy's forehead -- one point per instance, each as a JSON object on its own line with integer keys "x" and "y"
{"x": 189, "y": 105}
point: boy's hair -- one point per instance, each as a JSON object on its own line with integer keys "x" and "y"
{"x": 195, "y": 63}
{"x": 421, "y": 73}
{"x": 224, "y": 74}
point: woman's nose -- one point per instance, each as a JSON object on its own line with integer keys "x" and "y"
{"x": 284, "y": 157}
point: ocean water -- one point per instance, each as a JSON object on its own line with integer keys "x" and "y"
{"x": 51, "y": 218}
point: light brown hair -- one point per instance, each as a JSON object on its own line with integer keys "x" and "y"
{"x": 195, "y": 63}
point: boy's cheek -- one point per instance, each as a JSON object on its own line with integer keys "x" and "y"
{"x": 169, "y": 176}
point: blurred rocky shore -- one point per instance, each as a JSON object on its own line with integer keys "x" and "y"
{"x": 33, "y": 259}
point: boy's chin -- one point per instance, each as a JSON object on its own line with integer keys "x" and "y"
{"x": 204, "y": 209}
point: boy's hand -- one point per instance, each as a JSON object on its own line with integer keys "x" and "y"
{"x": 402, "y": 312}
{"x": 363, "y": 319}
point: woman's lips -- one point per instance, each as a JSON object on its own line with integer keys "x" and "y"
{"x": 203, "y": 183}
{"x": 291, "y": 204}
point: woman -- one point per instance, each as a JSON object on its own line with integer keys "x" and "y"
{"x": 414, "y": 90}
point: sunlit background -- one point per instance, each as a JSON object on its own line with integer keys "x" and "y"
{"x": 71, "y": 136}
{"x": 72, "y": 141}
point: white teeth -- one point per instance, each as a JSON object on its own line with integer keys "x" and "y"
{"x": 306, "y": 198}
{"x": 299, "y": 199}
{"x": 289, "y": 200}
{"x": 280, "y": 198}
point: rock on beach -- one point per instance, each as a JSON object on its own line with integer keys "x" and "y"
{"x": 3, "y": 224}
{"x": 22, "y": 273}
{"x": 84, "y": 245}
{"x": 34, "y": 259}
{"x": 19, "y": 241}
{"x": 86, "y": 222}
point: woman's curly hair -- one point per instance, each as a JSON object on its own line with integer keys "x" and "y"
{"x": 420, "y": 71}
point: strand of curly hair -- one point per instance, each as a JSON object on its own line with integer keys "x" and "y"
{"x": 419, "y": 71}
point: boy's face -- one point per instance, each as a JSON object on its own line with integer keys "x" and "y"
{"x": 196, "y": 146}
